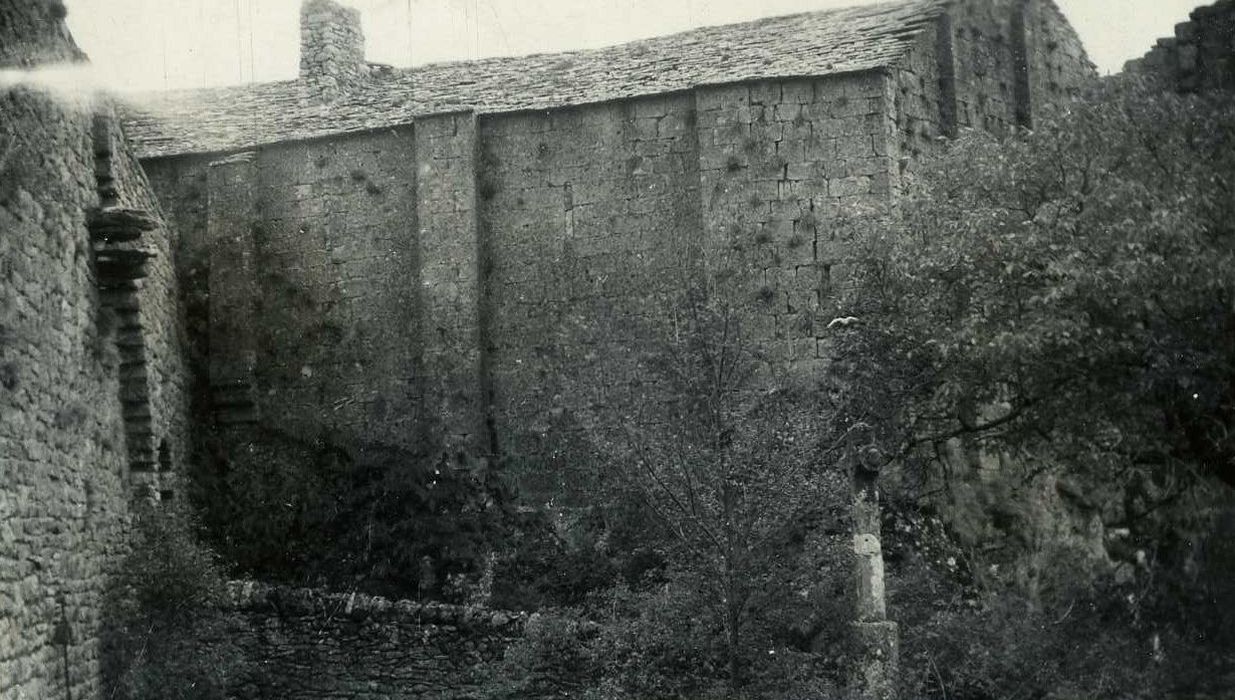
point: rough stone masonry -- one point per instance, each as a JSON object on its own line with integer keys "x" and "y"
{"x": 398, "y": 256}
{"x": 390, "y": 255}
{"x": 382, "y": 254}
{"x": 93, "y": 407}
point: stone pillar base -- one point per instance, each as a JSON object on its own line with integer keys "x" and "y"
{"x": 878, "y": 659}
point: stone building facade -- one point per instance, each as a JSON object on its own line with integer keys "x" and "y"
{"x": 381, "y": 254}
{"x": 389, "y": 255}
{"x": 93, "y": 380}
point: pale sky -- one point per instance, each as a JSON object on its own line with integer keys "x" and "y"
{"x": 160, "y": 44}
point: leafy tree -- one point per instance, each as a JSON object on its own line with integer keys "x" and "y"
{"x": 370, "y": 516}
{"x": 170, "y": 634}
{"x": 1066, "y": 297}
{"x": 718, "y": 442}
{"x": 1070, "y": 288}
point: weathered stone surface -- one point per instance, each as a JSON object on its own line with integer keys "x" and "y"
{"x": 307, "y": 643}
{"x": 331, "y": 47}
{"x": 65, "y": 332}
{"x": 828, "y": 42}
{"x": 422, "y": 281}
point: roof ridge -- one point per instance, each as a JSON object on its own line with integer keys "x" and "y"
{"x": 887, "y": 5}
{"x": 817, "y": 43}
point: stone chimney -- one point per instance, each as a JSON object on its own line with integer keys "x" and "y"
{"x": 331, "y": 46}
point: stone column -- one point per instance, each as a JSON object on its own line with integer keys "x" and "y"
{"x": 876, "y": 638}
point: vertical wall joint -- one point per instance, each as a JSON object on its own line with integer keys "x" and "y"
{"x": 1021, "y": 51}
{"x": 232, "y": 282}
{"x": 945, "y": 59}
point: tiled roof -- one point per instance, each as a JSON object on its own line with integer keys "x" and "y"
{"x": 809, "y": 44}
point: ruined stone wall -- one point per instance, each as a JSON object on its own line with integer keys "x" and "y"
{"x": 66, "y": 465}
{"x": 1201, "y": 54}
{"x": 308, "y": 644}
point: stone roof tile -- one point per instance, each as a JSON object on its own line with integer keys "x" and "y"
{"x": 809, "y": 44}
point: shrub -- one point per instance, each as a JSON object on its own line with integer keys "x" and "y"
{"x": 386, "y": 520}
{"x": 170, "y": 637}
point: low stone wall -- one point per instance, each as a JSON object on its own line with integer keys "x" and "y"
{"x": 307, "y": 644}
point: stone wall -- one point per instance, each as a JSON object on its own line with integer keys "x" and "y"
{"x": 79, "y": 299}
{"x": 434, "y": 284}
{"x": 576, "y": 205}
{"x": 150, "y": 322}
{"x": 308, "y": 644}
{"x": 1201, "y": 55}
{"x": 989, "y": 64}
{"x": 63, "y": 462}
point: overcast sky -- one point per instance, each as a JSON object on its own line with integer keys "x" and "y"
{"x": 158, "y": 44}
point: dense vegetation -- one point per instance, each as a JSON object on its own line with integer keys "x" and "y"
{"x": 1061, "y": 304}
{"x": 170, "y": 636}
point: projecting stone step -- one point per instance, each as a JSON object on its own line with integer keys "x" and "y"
{"x": 134, "y": 392}
{"x": 131, "y": 286}
{"x": 132, "y": 342}
{"x": 143, "y": 465}
{"x": 128, "y": 319}
{"x": 136, "y": 412}
{"x": 118, "y": 299}
{"x": 116, "y": 265}
{"x": 117, "y": 224}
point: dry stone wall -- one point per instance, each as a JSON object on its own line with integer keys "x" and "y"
{"x": 308, "y": 644}
{"x": 63, "y": 462}
{"x": 68, "y": 460}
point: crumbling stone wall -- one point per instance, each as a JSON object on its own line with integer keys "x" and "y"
{"x": 1201, "y": 54}
{"x": 303, "y": 643}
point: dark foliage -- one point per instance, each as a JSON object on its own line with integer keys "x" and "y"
{"x": 376, "y": 518}
{"x": 1061, "y": 302}
{"x": 170, "y": 636}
